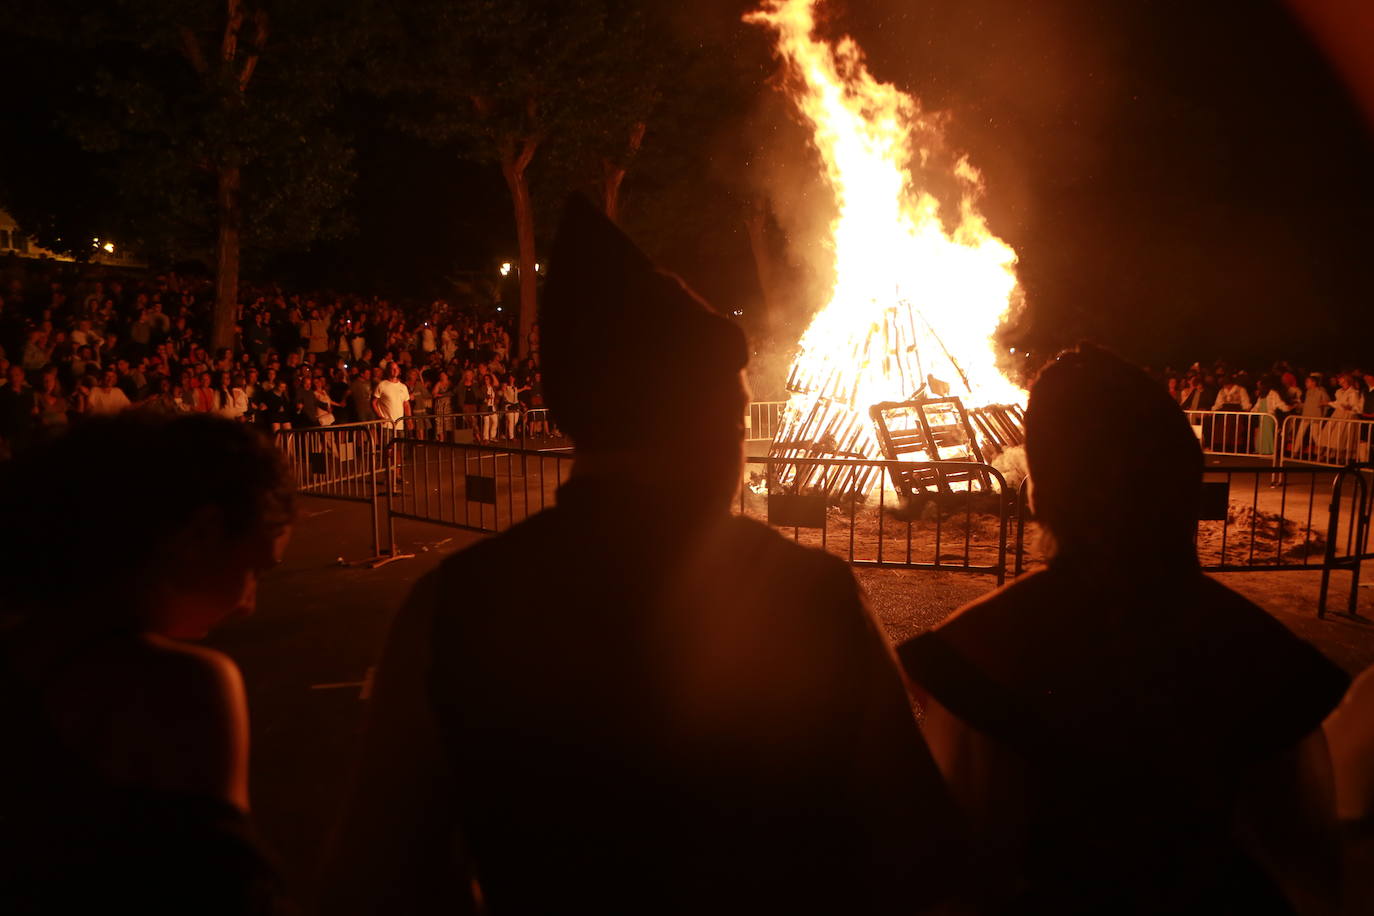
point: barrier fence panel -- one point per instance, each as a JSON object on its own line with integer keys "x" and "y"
{"x": 533, "y": 428}
{"x": 475, "y": 487}
{"x": 336, "y": 462}
{"x": 956, "y": 530}
{"x": 1245, "y": 434}
{"x": 1348, "y": 535}
{"x": 763, "y": 420}
{"x": 1263, "y": 519}
{"x": 1329, "y": 442}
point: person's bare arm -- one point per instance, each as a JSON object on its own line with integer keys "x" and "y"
{"x": 1350, "y": 737}
{"x": 1286, "y": 818}
{"x": 396, "y": 850}
{"x": 987, "y": 783}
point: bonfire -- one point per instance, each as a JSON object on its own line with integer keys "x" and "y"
{"x": 901, "y": 363}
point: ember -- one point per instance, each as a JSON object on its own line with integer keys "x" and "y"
{"x": 900, "y": 363}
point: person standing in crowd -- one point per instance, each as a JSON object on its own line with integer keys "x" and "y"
{"x": 124, "y": 784}
{"x": 706, "y": 720}
{"x": 443, "y": 395}
{"x": 360, "y": 395}
{"x": 510, "y": 405}
{"x": 1339, "y": 438}
{"x": 18, "y": 410}
{"x": 324, "y": 405}
{"x": 1314, "y": 407}
{"x": 491, "y": 395}
{"x": 53, "y": 404}
{"x": 1273, "y": 409}
{"x": 276, "y": 407}
{"x": 1232, "y": 396}
{"x": 108, "y": 397}
{"x": 1164, "y": 752}
{"x": 391, "y": 400}
{"x": 420, "y": 401}
{"x": 470, "y": 394}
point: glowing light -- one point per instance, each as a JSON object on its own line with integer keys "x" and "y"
{"x": 109, "y": 247}
{"x": 505, "y": 268}
{"x": 911, "y": 298}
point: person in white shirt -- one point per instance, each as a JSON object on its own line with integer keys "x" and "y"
{"x": 391, "y": 400}
{"x": 107, "y": 398}
{"x": 1232, "y": 397}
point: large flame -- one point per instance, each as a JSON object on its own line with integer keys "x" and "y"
{"x": 911, "y": 298}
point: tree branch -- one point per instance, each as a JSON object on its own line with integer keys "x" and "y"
{"x": 190, "y": 46}
{"x": 232, "y": 23}
{"x": 259, "y": 39}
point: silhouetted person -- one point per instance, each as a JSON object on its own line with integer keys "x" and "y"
{"x": 123, "y": 782}
{"x": 1125, "y": 734}
{"x": 675, "y": 710}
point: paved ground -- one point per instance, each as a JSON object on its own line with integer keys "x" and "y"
{"x": 320, "y": 625}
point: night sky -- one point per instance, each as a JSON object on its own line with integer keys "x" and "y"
{"x": 1181, "y": 180}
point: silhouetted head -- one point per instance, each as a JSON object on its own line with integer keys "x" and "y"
{"x": 143, "y": 521}
{"x": 1115, "y": 467}
{"x": 634, "y": 361}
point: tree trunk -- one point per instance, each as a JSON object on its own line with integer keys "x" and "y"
{"x": 227, "y": 259}
{"x": 514, "y": 172}
{"x": 613, "y": 174}
{"x": 610, "y": 189}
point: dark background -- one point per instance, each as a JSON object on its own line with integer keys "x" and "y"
{"x": 1181, "y": 180}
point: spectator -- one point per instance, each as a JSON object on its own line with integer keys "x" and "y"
{"x": 490, "y": 394}
{"x": 391, "y": 400}
{"x": 510, "y": 405}
{"x": 742, "y": 742}
{"x": 108, "y": 397}
{"x": 1164, "y": 752}
{"x": 53, "y": 404}
{"x": 275, "y": 408}
{"x": 18, "y": 408}
{"x": 124, "y": 783}
{"x": 324, "y": 405}
{"x": 1314, "y": 407}
{"x": 1232, "y": 396}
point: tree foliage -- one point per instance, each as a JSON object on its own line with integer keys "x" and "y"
{"x": 164, "y": 93}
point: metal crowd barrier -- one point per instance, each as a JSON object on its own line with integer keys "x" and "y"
{"x": 1239, "y": 433}
{"x": 466, "y": 428}
{"x": 1256, "y": 518}
{"x": 962, "y": 529}
{"x": 1348, "y": 541}
{"x": 1268, "y": 519}
{"x": 763, "y": 420}
{"x": 475, "y": 487}
{"x": 345, "y": 461}
{"x": 1328, "y": 442}
{"x": 337, "y": 462}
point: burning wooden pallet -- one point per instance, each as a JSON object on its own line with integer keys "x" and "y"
{"x": 942, "y": 430}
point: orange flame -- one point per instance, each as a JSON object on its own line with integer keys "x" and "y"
{"x": 896, "y": 265}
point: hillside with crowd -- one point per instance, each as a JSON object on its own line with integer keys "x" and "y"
{"x": 74, "y": 345}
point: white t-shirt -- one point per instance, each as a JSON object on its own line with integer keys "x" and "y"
{"x": 112, "y": 401}
{"x": 392, "y": 397}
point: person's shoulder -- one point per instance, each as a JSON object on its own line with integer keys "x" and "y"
{"x": 764, "y": 542}
{"x": 189, "y": 674}
{"x": 1007, "y": 602}
{"x": 173, "y": 715}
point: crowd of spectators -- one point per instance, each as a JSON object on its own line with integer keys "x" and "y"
{"x": 74, "y": 346}
{"x": 1312, "y": 397}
